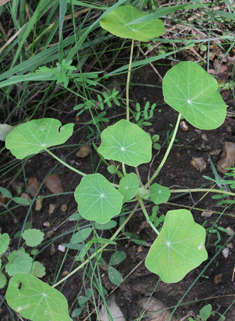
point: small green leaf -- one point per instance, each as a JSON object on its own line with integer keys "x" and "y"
{"x": 114, "y": 276}
{"x": 4, "y": 242}
{"x": 129, "y": 186}
{"x": 115, "y": 22}
{"x": 76, "y": 312}
{"x": 36, "y": 300}
{"x": 38, "y": 269}
{"x": 3, "y": 280}
{"x": 33, "y": 237}
{"x": 159, "y": 194}
{"x": 205, "y": 312}
{"x": 21, "y": 200}
{"x": 117, "y": 258}
{"x": 190, "y": 90}
{"x": 19, "y": 261}
{"x": 37, "y": 135}
{"x": 179, "y": 248}
{"x": 5, "y": 192}
{"x": 97, "y": 199}
{"x": 81, "y": 235}
{"x": 126, "y": 142}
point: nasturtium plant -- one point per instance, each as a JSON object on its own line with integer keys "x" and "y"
{"x": 159, "y": 194}
{"x": 4, "y": 242}
{"x": 33, "y": 237}
{"x": 126, "y": 142}
{"x": 179, "y": 248}
{"x": 190, "y": 90}
{"x": 129, "y": 186}
{"x": 36, "y": 300}
{"x": 38, "y": 269}
{"x": 37, "y": 135}
{"x": 97, "y": 199}
{"x": 19, "y": 261}
{"x": 116, "y": 23}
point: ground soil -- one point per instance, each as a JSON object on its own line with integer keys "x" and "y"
{"x": 177, "y": 172}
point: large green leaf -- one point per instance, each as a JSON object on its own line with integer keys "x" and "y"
{"x": 116, "y": 23}
{"x": 97, "y": 199}
{"x": 36, "y": 300}
{"x": 126, "y": 142}
{"x": 129, "y": 186}
{"x": 36, "y": 135}
{"x": 179, "y": 248}
{"x": 190, "y": 90}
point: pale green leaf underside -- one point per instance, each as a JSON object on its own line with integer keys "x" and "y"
{"x": 159, "y": 194}
{"x": 36, "y": 300}
{"x": 179, "y": 248}
{"x": 129, "y": 186}
{"x": 190, "y": 90}
{"x": 115, "y": 22}
{"x": 126, "y": 142}
{"x": 4, "y": 242}
{"x": 97, "y": 199}
{"x": 37, "y": 135}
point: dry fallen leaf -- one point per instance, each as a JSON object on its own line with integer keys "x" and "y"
{"x": 198, "y": 163}
{"x": 39, "y": 201}
{"x": 227, "y": 157}
{"x": 54, "y": 184}
{"x": 218, "y": 278}
{"x": 33, "y": 186}
{"x": 51, "y": 208}
{"x": 83, "y": 151}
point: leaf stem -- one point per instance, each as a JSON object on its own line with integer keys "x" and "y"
{"x": 166, "y": 154}
{"x": 201, "y": 190}
{"x": 100, "y": 249}
{"x": 124, "y": 169}
{"x": 128, "y": 81}
{"x": 147, "y": 216}
{"x": 65, "y": 164}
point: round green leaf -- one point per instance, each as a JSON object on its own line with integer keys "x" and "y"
{"x": 36, "y": 300}
{"x": 190, "y": 90}
{"x": 38, "y": 269}
{"x": 115, "y": 22}
{"x": 114, "y": 276}
{"x": 159, "y": 194}
{"x": 37, "y": 135}
{"x": 19, "y": 261}
{"x": 129, "y": 186}
{"x": 33, "y": 237}
{"x": 126, "y": 142}
{"x": 4, "y": 242}
{"x": 97, "y": 199}
{"x": 179, "y": 248}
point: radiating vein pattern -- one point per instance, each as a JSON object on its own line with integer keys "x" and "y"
{"x": 97, "y": 199}
{"x": 126, "y": 142}
{"x": 179, "y": 248}
{"x": 36, "y": 135}
{"x": 190, "y": 90}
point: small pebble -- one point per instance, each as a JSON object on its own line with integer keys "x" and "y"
{"x": 61, "y": 248}
{"x": 230, "y": 231}
{"x": 225, "y": 252}
{"x": 51, "y": 208}
{"x": 39, "y": 201}
{"x": 64, "y": 273}
{"x": 64, "y": 207}
{"x": 184, "y": 126}
{"x": 114, "y": 310}
{"x": 207, "y": 214}
{"x": 204, "y": 137}
{"x": 84, "y": 151}
{"x": 218, "y": 278}
{"x": 229, "y": 245}
{"x": 52, "y": 249}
